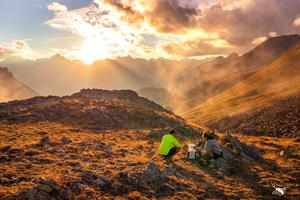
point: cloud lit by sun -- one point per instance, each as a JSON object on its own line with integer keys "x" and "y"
{"x": 173, "y": 29}
{"x": 104, "y": 34}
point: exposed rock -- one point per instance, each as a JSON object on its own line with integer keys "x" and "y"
{"x": 35, "y": 194}
{"x": 65, "y": 140}
{"x": 42, "y": 133}
{"x": 31, "y": 153}
{"x": 4, "y": 149}
{"x": 235, "y": 147}
{"x": 94, "y": 109}
{"x": 4, "y": 159}
{"x": 47, "y": 186}
{"x": 280, "y": 118}
{"x": 15, "y": 151}
{"x": 285, "y": 153}
{"x": 226, "y": 154}
{"x": 100, "y": 182}
{"x": 45, "y": 140}
{"x": 153, "y": 175}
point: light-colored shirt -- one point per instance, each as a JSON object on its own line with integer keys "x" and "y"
{"x": 212, "y": 146}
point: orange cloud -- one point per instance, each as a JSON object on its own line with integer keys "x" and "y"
{"x": 123, "y": 27}
{"x": 297, "y": 21}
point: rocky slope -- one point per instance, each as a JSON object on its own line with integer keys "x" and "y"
{"x": 99, "y": 144}
{"x": 11, "y": 88}
{"x": 48, "y": 160}
{"x": 280, "y": 118}
{"x": 92, "y": 108}
{"x": 279, "y": 79}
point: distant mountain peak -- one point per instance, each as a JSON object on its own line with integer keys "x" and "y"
{"x": 232, "y": 56}
{"x": 280, "y": 41}
{"x": 58, "y": 57}
{"x": 283, "y": 37}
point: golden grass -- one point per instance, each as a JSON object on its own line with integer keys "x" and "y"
{"x": 131, "y": 152}
{"x": 279, "y": 79}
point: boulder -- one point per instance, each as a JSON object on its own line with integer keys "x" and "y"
{"x": 5, "y": 149}
{"x": 100, "y": 182}
{"x": 42, "y": 133}
{"x": 285, "y": 153}
{"x": 227, "y": 155}
{"x": 35, "y": 194}
{"x": 235, "y": 147}
{"x": 4, "y": 159}
{"x": 45, "y": 140}
{"x": 153, "y": 175}
{"x": 65, "y": 140}
{"x": 47, "y": 185}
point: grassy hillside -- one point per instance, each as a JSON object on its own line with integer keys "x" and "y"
{"x": 212, "y": 78}
{"x": 279, "y": 79}
{"x": 99, "y": 144}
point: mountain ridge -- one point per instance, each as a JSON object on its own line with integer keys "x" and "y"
{"x": 93, "y": 108}
{"x": 279, "y": 79}
{"x": 11, "y": 88}
{"x": 214, "y": 77}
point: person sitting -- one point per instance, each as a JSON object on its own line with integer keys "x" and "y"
{"x": 169, "y": 145}
{"x": 211, "y": 149}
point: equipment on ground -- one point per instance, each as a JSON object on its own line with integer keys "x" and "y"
{"x": 191, "y": 151}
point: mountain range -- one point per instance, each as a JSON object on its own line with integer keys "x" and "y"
{"x": 191, "y": 81}
{"x": 278, "y": 80}
{"x": 59, "y": 76}
{"x": 97, "y": 143}
{"x": 214, "y": 77}
{"x": 202, "y": 90}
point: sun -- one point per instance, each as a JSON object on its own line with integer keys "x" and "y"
{"x": 92, "y": 49}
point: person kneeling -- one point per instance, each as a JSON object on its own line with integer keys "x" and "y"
{"x": 211, "y": 149}
{"x": 169, "y": 145}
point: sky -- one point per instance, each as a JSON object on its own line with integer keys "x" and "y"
{"x": 90, "y": 30}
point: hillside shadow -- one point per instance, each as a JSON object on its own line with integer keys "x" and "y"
{"x": 210, "y": 190}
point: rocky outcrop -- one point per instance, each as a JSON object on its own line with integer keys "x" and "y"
{"x": 280, "y": 118}
{"x": 93, "y": 109}
{"x": 234, "y": 148}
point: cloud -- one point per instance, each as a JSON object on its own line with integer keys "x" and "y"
{"x": 229, "y": 5}
{"x": 5, "y": 51}
{"x": 259, "y": 40}
{"x": 297, "y": 21}
{"x": 123, "y": 27}
{"x": 240, "y": 21}
{"x": 16, "y": 48}
{"x": 171, "y": 16}
{"x": 167, "y": 16}
{"x": 103, "y": 31}
{"x": 273, "y": 34}
{"x": 194, "y": 48}
{"x": 57, "y": 7}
